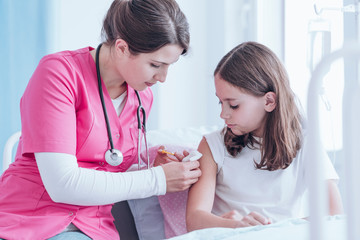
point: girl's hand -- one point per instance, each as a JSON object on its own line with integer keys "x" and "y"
{"x": 163, "y": 158}
{"x": 234, "y": 215}
{"x": 252, "y": 219}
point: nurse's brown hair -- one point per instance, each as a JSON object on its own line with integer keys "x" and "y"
{"x": 146, "y": 25}
{"x": 254, "y": 68}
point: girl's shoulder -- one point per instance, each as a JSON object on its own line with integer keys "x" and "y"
{"x": 215, "y": 141}
{"x": 215, "y": 138}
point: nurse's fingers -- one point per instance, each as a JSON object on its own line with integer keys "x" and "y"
{"x": 192, "y": 171}
{"x": 192, "y": 165}
{"x": 161, "y": 159}
{"x": 181, "y": 157}
{"x": 180, "y": 176}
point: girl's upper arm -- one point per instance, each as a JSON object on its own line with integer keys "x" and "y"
{"x": 335, "y": 202}
{"x": 201, "y": 194}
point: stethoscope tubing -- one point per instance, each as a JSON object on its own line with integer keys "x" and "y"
{"x": 142, "y": 128}
{"x": 115, "y": 157}
{"x": 102, "y": 98}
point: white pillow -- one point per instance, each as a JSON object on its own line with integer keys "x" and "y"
{"x": 186, "y": 137}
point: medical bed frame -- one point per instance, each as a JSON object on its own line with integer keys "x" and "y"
{"x": 351, "y": 132}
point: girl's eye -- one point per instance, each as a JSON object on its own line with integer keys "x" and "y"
{"x": 154, "y": 65}
{"x": 220, "y": 102}
{"x": 234, "y": 107}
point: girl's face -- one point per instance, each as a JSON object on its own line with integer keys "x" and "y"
{"x": 146, "y": 69}
{"x": 243, "y": 113}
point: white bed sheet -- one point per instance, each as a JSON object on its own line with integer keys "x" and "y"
{"x": 294, "y": 229}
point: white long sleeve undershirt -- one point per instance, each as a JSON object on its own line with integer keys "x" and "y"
{"x": 66, "y": 182}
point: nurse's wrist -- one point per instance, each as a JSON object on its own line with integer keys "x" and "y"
{"x": 160, "y": 180}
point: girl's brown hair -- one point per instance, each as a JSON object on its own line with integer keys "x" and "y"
{"x": 146, "y": 25}
{"x": 255, "y": 68}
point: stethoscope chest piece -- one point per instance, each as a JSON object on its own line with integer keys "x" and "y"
{"x": 113, "y": 157}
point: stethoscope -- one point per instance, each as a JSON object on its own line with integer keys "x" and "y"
{"x": 113, "y": 156}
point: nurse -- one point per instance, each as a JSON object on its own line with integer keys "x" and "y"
{"x": 60, "y": 183}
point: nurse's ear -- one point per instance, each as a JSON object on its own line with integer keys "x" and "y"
{"x": 121, "y": 47}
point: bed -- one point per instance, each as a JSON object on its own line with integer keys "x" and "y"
{"x": 294, "y": 229}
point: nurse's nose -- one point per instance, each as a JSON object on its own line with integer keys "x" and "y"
{"x": 161, "y": 76}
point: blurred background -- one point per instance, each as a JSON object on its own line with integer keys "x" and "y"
{"x": 299, "y": 32}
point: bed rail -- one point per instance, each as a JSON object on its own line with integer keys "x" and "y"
{"x": 351, "y": 145}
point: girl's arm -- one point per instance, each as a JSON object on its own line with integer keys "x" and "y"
{"x": 201, "y": 195}
{"x": 201, "y": 199}
{"x": 335, "y": 203}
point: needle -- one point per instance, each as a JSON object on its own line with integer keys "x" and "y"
{"x": 164, "y": 151}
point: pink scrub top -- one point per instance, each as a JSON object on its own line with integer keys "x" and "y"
{"x": 61, "y": 112}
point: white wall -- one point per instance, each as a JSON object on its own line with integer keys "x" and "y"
{"x": 270, "y": 25}
{"x": 187, "y": 98}
{"x": 77, "y": 24}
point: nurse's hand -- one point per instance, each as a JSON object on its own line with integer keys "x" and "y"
{"x": 181, "y": 175}
{"x": 163, "y": 158}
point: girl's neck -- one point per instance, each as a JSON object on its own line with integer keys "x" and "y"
{"x": 108, "y": 69}
{"x": 258, "y": 132}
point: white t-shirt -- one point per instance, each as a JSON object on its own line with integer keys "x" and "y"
{"x": 275, "y": 194}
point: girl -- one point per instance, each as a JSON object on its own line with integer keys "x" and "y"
{"x": 253, "y": 171}
{"x": 61, "y": 184}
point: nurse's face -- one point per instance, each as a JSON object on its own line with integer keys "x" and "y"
{"x": 145, "y": 69}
